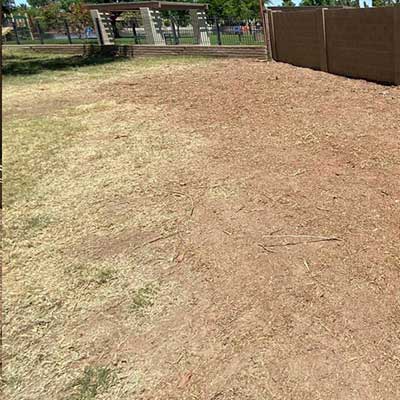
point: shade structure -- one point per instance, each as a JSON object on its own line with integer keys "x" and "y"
{"x": 152, "y": 5}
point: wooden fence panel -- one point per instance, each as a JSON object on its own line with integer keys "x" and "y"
{"x": 360, "y": 43}
{"x": 296, "y": 36}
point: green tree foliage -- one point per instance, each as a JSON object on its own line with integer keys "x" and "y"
{"x": 314, "y": 3}
{"x": 217, "y": 8}
{"x": 384, "y": 3}
{"x": 38, "y": 3}
{"x": 77, "y": 17}
{"x": 52, "y": 14}
{"x": 322, "y": 3}
{"x": 288, "y": 3}
{"x": 180, "y": 17}
{"x": 103, "y": 1}
{"x": 7, "y": 6}
{"x": 241, "y": 9}
{"x": 130, "y": 16}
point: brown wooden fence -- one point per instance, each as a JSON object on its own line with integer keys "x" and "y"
{"x": 360, "y": 43}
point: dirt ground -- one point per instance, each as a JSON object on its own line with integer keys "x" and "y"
{"x": 245, "y": 220}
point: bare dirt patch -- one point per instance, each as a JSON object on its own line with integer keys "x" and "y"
{"x": 233, "y": 234}
{"x": 300, "y": 154}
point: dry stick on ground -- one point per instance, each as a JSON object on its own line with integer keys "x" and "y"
{"x": 189, "y": 197}
{"x": 296, "y": 243}
{"x": 265, "y": 248}
{"x": 156, "y": 240}
{"x": 307, "y": 236}
{"x": 315, "y": 239}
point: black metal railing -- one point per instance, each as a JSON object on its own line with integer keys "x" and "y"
{"x": 37, "y": 32}
{"x": 221, "y": 31}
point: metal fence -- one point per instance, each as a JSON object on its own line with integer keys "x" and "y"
{"x": 31, "y": 31}
{"x": 222, "y": 31}
{"x": 129, "y": 30}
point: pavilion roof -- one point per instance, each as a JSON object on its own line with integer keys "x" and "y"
{"x": 154, "y": 5}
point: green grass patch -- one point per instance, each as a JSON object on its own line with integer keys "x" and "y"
{"x": 22, "y": 66}
{"x": 35, "y": 224}
{"x": 20, "y": 62}
{"x": 90, "y": 274}
{"x": 103, "y": 276}
{"x": 93, "y": 381}
{"x": 143, "y": 298}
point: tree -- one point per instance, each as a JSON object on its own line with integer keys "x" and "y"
{"x": 322, "y": 3}
{"x": 315, "y": 3}
{"x": 243, "y": 9}
{"x": 7, "y": 6}
{"x": 287, "y": 3}
{"x": 38, "y": 3}
{"x": 240, "y": 9}
{"x": 55, "y": 13}
{"x": 384, "y": 3}
{"x": 78, "y": 17}
{"x": 217, "y": 8}
{"x": 50, "y": 15}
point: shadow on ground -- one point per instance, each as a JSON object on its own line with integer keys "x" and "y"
{"x": 14, "y": 64}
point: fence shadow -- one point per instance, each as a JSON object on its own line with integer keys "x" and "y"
{"x": 22, "y": 63}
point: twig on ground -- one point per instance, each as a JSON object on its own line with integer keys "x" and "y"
{"x": 189, "y": 197}
{"x": 179, "y": 358}
{"x": 216, "y": 395}
{"x": 192, "y": 210}
{"x": 322, "y": 209}
{"x": 326, "y": 328}
{"x": 308, "y": 236}
{"x": 302, "y": 242}
{"x": 299, "y": 172}
{"x": 156, "y": 240}
{"x": 161, "y": 238}
{"x": 265, "y": 248}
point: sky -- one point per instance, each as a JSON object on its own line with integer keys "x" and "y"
{"x": 274, "y": 2}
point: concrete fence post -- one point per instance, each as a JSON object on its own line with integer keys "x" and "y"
{"x": 152, "y": 26}
{"x": 102, "y": 26}
{"x": 396, "y": 43}
{"x": 321, "y": 32}
{"x": 200, "y": 27}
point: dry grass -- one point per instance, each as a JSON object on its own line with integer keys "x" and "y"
{"x": 134, "y": 215}
{"x": 64, "y": 169}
